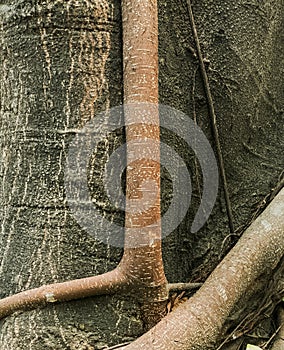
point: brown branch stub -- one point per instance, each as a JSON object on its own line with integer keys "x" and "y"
{"x": 179, "y": 287}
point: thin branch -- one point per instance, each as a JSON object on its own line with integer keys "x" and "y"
{"x": 212, "y": 116}
{"x": 108, "y": 283}
{"x": 274, "y": 335}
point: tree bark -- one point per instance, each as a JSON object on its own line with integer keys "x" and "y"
{"x": 199, "y": 323}
{"x": 143, "y": 235}
{"x": 141, "y": 267}
{"x": 61, "y": 64}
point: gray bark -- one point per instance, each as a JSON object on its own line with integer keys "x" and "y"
{"x": 61, "y": 65}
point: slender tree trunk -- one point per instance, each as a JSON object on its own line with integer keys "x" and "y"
{"x": 143, "y": 229}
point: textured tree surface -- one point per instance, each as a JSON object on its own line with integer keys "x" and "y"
{"x": 61, "y": 64}
{"x": 199, "y": 322}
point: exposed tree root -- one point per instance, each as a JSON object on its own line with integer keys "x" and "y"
{"x": 138, "y": 273}
{"x": 199, "y": 322}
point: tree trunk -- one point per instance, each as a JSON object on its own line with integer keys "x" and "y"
{"x": 61, "y": 64}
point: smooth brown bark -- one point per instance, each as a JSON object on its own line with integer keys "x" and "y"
{"x": 108, "y": 283}
{"x": 143, "y": 228}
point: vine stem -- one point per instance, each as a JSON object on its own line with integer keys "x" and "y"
{"x": 213, "y": 118}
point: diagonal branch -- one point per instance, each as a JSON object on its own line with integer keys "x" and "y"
{"x": 197, "y": 323}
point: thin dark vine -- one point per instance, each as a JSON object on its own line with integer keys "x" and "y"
{"x": 212, "y": 115}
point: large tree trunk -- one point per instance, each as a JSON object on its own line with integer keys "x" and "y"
{"x": 60, "y": 66}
